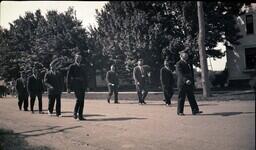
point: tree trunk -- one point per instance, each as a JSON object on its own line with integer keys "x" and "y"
{"x": 202, "y": 53}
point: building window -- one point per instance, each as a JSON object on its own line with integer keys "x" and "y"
{"x": 249, "y": 24}
{"x": 250, "y": 58}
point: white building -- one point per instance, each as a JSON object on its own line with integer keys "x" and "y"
{"x": 242, "y": 60}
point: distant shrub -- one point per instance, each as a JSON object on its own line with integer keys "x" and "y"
{"x": 218, "y": 78}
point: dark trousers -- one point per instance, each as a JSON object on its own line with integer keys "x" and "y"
{"x": 168, "y": 93}
{"x": 111, "y": 90}
{"x": 52, "y": 98}
{"x": 189, "y": 92}
{"x": 23, "y": 99}
{"x": 32, "y": 101}
{"x": 142, "y": 92}
{"x": 79, "y": 107}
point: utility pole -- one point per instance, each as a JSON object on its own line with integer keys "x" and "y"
{"x": 202, "y": 53}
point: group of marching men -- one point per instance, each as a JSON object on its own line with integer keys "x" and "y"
{"x": 77, "y": 82}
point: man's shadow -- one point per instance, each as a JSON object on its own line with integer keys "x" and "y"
{"x": 115, "y": 119}
{"x": 226, "y": 114}
{"x": 106, "y": 119}
{"x": 45, "y": 131}
{"x": 87, "y": 115}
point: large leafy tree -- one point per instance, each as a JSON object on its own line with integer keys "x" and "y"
{"x": 126, "y": 33}
{"x": 37, "y": 39}
{"x": 8, "y": 66}
{"x": 159, "y": 30}
{"x": 60, "y": 34}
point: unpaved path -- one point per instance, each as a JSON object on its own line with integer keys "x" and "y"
{"x": 224, "y": 125}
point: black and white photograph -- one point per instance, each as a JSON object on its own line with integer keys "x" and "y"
{"x": 127, "y": 75}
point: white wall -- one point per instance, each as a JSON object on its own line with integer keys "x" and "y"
{"x": 236, "y": 59}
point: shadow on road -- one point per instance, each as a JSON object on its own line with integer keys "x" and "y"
{"x": 42, "y": 110}
{"x": 206, "y": 105}
{"x": 49, "y": 130}
{"x": 126, "y": 103}
{"x": 116, "y": 119}
{"x": 66, "y": 112}
{"x": 163, "y": 104}
{"x": 226, "y": 114}
{"x": 87, "y": 115}
{"x": 13, "y": 141}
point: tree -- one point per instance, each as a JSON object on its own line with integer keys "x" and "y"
{"x": 126, "y": 34}
{"x": 60, "y": 34}
{"x": 159, "y": 30}
{"x": 203, "y": 61}
{"x": 37, "y": 39}
{"x": 8, "y": 67}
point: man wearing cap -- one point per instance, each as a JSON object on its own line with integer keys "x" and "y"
{"x": 77, "y": 81}
{"x": 185, "y": 85}
{"x": 54, "y": 82}
{"x": 112, "y": 83}
{"x": 35, "y": 89}
{"x": 21, "y": 88}
{"x": 139, "y": 76}
{"x": 167, "y": 82}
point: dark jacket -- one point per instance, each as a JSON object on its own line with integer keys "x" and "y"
{"x": 21, "y": 86}
{"x": 138, "y": 75}
{"x": 35, "y": 86}
{"x": 54, "y": 82}
{"x": 112, "y": 78}
{"x": 166, "y": 77}
{"x": 184, "y": 73}
{"x": 77, "y": 77}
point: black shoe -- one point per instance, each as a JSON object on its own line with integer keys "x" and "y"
{"x": 108, "y": 101}
{"x": 144, "y": 102}
{"x": 75, "y": 116}
{"x": 81, "y": 118}
{"x": 180, "y": 114}
{"x": 197, "y": 112}
{"x": 25, "y": 109}
{"x": 168, "y": 104}
{"x": 41, "y": 112}
{"x": 116, "y": 102}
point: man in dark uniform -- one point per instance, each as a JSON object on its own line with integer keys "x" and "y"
{"x": 77, "y": 81}
{"x": 54, "y": 83}
{"x": 35, "y": 89}
{"x": 112, "y": 81}
{"x": 139, "y": 76}
{"x": 185, "y": 85}
{"x": 167, "y": 82}
{"x": 21, "y": 88}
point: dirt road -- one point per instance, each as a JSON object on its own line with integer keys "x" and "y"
{"x": 224, "y": 125}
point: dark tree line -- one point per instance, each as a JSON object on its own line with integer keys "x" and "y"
{"x": 155, "y": 31}
{"x": 37, "y": 39}
{"x": 127, "y": 30}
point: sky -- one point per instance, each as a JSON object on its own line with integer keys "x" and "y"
{"x": 85, "y": 11}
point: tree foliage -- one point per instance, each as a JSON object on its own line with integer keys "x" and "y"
{"x": 154, "y": 31}
{"x": 35, "y": 38}
{"x": 127, "y": 31}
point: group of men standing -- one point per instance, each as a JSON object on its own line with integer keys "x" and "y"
{"x": 184, "y": 83}
{"x": 33, "y": 87}
{"x": 77, "y": 82}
